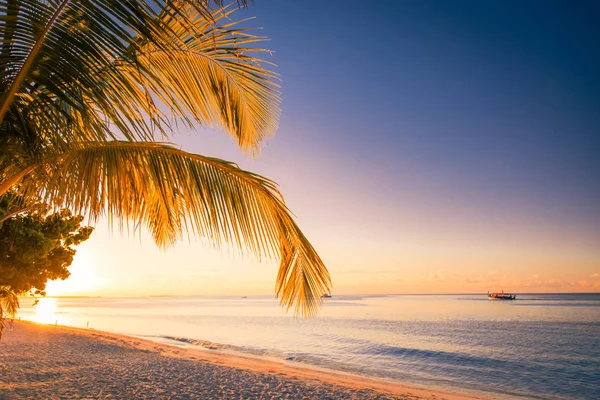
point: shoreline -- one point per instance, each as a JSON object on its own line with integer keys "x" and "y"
{"x": 138, "y": 346}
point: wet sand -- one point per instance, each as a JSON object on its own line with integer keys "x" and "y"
{"x": 48, "y": 362}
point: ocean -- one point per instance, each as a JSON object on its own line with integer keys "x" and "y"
{"x": 543, "y": 346}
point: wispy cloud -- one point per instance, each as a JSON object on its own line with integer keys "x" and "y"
{"x": 443, "y": 276}
{"x": 366, "y": 271}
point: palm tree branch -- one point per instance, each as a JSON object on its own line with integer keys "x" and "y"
{"x": 212, "y": 75}
{"x": 16, "y": 83}
{"x": 172, "y": 192}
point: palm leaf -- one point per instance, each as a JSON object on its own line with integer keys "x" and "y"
{"x": 76, "y": 76}
{"x": 172, "y": 193}
{"x": 107, "y": 69}
{"x": 214, "y": 75}
{"x": 9, "y": 303}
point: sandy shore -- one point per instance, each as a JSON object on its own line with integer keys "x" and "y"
{"x": 47, "y": 362}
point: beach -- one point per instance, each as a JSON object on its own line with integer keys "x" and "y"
{"x": 56, "y": 362}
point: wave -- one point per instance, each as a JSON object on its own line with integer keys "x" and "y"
{"x": 255, "y": 351}
{"x": 296, "y": 357}
{"x": 207, "y": 344}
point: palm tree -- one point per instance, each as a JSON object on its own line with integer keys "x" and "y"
{"x": 88, "y": 86}
{"x": 9, "y": 302}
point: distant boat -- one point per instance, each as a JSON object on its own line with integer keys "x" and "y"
{"x": 501, "y": 296}
{"x": 326, "y": 296}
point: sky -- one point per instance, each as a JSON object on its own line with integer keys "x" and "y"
{"x": 424, "y": 147}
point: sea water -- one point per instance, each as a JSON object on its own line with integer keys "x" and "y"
{"x": 544, "y": 346}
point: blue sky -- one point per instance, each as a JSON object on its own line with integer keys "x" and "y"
{"x": 489, "y": 98}
{"x": 425, "y": 146}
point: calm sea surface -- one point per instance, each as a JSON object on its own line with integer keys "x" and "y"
{"x": 539, "y": 346}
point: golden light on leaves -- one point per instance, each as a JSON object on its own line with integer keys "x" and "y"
{"x": 81, "y": 130}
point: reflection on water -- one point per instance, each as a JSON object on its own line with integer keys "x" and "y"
{"x": 45, "y": 312}
{"x": 541, "y": 346}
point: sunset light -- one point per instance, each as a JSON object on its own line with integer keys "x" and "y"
{"x": 300, "y": 199}
{"x": 45, "y": 311}
{"x": 82, "y": 280}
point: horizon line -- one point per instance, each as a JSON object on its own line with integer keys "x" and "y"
{"x": 264, "y": 295}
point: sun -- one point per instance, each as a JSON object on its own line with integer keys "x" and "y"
{"x": 45, "y": 311}
{"x": 83, "y": 278}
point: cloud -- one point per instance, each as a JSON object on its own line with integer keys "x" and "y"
{"x": 496, "y": 281}
{"x": 437, "y": 276}
{"x": 364, "y": 271}
{"x": 442, "y": 276}
{"x": 492, "y": 278}
{"x": 537, "y": 281}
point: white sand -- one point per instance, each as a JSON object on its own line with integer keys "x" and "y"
{"x": 47, "y": 362}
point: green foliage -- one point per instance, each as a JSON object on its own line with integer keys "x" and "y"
{"x": 38, "y": 246}
{"x": 35, "y": 246}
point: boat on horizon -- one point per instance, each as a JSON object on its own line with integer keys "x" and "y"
{"x": 501, "y": 296}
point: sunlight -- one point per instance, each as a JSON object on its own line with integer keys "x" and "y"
{"x": 45, "y": 311}
{"x": 83, "y": 278}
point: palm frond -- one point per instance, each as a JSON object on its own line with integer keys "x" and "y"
{"x": 9, "y": 302}
{"x": 76, "y": 76}
{"x": 107, "y": 69}
{"x": 172, "y": 193}
{"x": 215, "y": 75}
{"x": 51, "y": 55}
